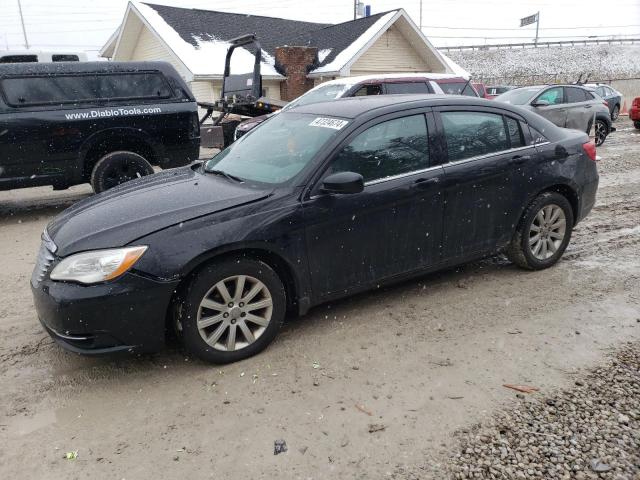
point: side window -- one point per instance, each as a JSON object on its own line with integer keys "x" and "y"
{"x": 553, "y": 96}
{"x": 18, "y": 58}
{"x": 601, "y": 91}
{"x": 470, "y": 134}
{"x": 515, "y": 132}
{"x": 368, "y": 90}
{"x": 408, "y": 87}
{"x": 536, "y": 136}
{"x": 389, "y": 148}
{"x": 64, "y": 58}
{"x": 84, "y": 88}
{"x": 574, "y": 95}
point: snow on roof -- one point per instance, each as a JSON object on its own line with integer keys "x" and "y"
{"x": 352, "y": 50}
{"x": 208, "y": 56}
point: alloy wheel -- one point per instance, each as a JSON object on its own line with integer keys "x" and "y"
{"x": 234, "y": 313}
{"x": 547, "y": 231}
{"x": 601, "y": 132}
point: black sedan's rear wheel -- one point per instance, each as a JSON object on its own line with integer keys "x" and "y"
{"x": 543, "y": 233}
{"x": 232, "y": 310}
{"x": 602, "y": 130}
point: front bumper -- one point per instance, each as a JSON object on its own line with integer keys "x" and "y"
{"x": 127, "y": 314}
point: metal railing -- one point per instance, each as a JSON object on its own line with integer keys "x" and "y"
{"x": 497, "y": 46}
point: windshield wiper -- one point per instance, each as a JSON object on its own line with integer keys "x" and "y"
{"x": 224, "y": 174}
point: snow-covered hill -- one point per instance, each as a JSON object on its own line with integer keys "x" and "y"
{"x": 566, "y": 63}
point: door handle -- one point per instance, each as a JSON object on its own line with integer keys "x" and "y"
{"x": 588, "y": 106}
{"x": 519, "y": 159}
{"x": 425, "y": 182}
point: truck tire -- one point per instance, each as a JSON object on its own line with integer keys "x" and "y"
{"x": 116, "y": 168}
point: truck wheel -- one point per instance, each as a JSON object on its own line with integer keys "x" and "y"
{"x": 543, "y": 233}
{"x": 116, "y": 168}
{"x": 231, "y": 310}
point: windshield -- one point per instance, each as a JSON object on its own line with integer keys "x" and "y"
{"x": 457, "y": 88}
{"x": 278, "y": 150}
{"x": 323, "y": 93}
{"x": 519, "y": 96}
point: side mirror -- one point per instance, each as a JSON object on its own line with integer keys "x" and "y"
{"x": 540, "y": 103}
{"x": 343, "y": 182}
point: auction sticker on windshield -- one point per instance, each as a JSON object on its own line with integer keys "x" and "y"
{"x": 334, "y": 123}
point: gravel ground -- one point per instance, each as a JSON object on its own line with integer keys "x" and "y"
{"x": 591, "y": 430}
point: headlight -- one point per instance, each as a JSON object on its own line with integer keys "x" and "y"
{"x": 97, "y": 266}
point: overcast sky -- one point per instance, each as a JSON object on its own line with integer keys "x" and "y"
{"x": 83, "y": 25}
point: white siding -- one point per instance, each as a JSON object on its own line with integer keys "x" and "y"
{"x": 391, "y": 53}
{"x": 149, "y": 48}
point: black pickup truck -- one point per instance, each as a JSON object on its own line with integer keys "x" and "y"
{"x": 63, "y": 124}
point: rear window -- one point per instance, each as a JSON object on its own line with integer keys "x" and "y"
{"x": 408, "y": 87}
{"x": 60, "y": 89}
{"x": 457, "y": 88}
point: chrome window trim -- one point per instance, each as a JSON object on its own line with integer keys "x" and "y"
{"x": 492, "y": 154}
{"x": 401, "y": 175}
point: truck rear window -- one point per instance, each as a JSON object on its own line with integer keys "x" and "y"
{"x": 60, "y": 89}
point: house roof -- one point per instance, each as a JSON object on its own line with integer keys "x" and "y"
{"x": 200, "y": 38}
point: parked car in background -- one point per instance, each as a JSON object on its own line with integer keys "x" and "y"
{"x": 495, "y": 90}
{"x": 480, "y": 89}
{"x": 610, "y": 95}
{"x": 105, "y": 123}
{"x": 365, "y": 85}
{"x": 569, "y": 106}
{"x": 634, "y": 112}
{"x": 320, "y": 202}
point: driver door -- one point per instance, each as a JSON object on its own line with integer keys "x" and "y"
{"x": 393, "y": 226}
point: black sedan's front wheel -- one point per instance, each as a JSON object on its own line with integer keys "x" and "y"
{"x": 231, "y": 310}
{"x": 543, "y": 233}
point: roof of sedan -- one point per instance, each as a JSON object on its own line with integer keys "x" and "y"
{"x": 355, "y": 106}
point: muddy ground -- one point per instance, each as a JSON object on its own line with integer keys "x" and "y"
{"x": 418, "y": 360}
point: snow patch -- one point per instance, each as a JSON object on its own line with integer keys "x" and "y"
{"x": 324, "y": 53}
{"x": 455, "y": 68}
{"x": 352, "y": 50}
{"x": 208, "y": 57}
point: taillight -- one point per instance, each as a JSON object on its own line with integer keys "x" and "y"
{"x": 636, "y": 102}
{"x": 605, "y": 103}
{"x": 194, "y": 126}
{"x": 590, "y": 149}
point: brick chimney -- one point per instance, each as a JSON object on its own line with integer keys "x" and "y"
{"x": 295, "y": 62}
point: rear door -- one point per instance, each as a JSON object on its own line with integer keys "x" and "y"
{"x": 579, "y": 104}
{"x": 556, "y": 110}
{"x": 485, "y": 151}
{"x": 394, "y": 225}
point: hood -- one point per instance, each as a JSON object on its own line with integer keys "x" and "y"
{"x": 135, "y": 209}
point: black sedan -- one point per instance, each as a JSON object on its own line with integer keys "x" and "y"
{"x": 321, "y": 202}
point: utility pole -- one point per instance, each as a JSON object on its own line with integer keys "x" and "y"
{"x": 355, "y": 9}
{"x": 420, "y": 16}
{"x": 24, "y": 30}
{"x": 537, "y": 27}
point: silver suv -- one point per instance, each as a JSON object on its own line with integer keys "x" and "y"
{"x": 569, "y": 106}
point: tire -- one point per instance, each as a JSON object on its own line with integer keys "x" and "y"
{"x": 203, "y": 300}
{"x": 637, "y": 124}
{"x": 523, "y": 251}
{"x": 602, "y": 130}
{"x": 116, "y": 168}
{"x": 615, "y": 113}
